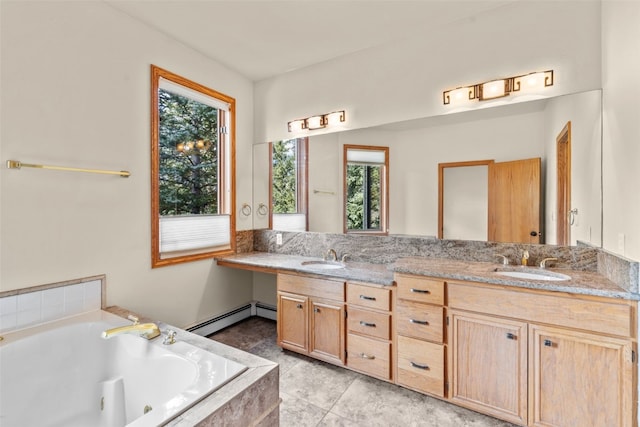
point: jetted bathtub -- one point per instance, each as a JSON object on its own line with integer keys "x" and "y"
{"x": 64, "y": 374}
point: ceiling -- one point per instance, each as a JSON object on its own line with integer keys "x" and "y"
{"x": 264, "y": 38}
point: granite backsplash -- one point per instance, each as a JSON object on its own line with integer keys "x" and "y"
{"x": 387, "y": 249}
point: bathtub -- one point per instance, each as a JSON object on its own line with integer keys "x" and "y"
{"x": 64, "y": 374}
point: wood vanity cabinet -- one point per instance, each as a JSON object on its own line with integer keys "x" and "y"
{"x": 369, "y": 324}
{"x": 311, "y": 316}
{"x": 489, "y": 371}
{"x": 541, "y": 358}
{"x": 420, "y": 334}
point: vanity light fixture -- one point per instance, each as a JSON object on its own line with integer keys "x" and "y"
{"x": 526, "y": 83}
{"x": 317, "y": 122}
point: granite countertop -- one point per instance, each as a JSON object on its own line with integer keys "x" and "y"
{"x": 581, "y": 282}
{"x": 356, "y": 271}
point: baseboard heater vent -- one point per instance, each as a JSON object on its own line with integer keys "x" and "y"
{"x": 217, "y": 323}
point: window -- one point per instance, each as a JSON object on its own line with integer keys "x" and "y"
{"x": 289, "y": 185}
{"x": 366, "y": 178}
{"x": 192, "y": 146}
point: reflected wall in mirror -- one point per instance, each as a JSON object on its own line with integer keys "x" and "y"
{"x": 366, "y": 183}
{"x": 288, "y": 185}
{"x": 516, "y": 131}
{"x": 192, "y": 170}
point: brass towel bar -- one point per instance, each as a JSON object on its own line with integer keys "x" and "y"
{"x": 16, "y": 164}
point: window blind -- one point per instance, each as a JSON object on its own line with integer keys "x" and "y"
{"x": 289, "y": 222}
{"x": 187, "y": 232}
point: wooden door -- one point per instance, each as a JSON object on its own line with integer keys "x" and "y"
{"x": 580, "y": 379}
{"x": 292, "y": 322}
{"x": 327, "y": 331}
{"x": 563, "y": 143}
{"x": 515, "y": 201}
{"x": 490, "y": 365}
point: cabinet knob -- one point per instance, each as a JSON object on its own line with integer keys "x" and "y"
{"x": 512, "y": 336}
{"x": 420, "y": 291}
{"x": 419, "y": 322}
{"x": 419, "y": 366}
{"x": 548, "y": 343}
{"x": 298, "y": 305}
{"x": 316, "y": 310}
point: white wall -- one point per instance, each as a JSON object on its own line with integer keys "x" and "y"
{"x": 75, "y": 91}
{"x": 584, "y": 112}
{"x": 405, "y": 80}
{"x": 621, "y": 126}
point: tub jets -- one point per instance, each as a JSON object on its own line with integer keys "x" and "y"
{"x": 145, "y": 330}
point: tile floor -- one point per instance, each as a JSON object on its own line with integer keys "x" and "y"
{"x": 316, "y": 393}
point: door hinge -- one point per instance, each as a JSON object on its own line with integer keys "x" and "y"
{"x": 447, "y": 320}
{"x": 223, "y": 130}
{"x": 446, "y": 388}
{"x": 345, "y": 314}
{"x": 633, "y": 356}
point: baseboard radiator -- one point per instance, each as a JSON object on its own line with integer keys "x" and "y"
{"x": 239, "y": 314}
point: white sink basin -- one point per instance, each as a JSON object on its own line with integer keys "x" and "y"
{"x": 534, "y": 274}
{"x": 323, "y": 265}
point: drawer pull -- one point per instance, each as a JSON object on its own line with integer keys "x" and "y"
{"x": 366, "y": 356}
{"x": 511, "y": 336}
{"x": 420, "y": 291}
{"x": 371, "y": 325}
{"x": 316, "y": 310}
{"x": 365, "y": 297}
{"x": 419, "y": 366}
{"x": 298, "y": 305}
{"x": 419, "y": 322}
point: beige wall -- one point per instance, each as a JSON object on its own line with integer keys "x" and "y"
{"x": 621, "y": 127}
{"x": 75, "y": 92}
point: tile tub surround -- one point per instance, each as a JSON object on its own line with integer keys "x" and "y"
{"x": 388, "y": 249}
{"x": 32, "y": 306}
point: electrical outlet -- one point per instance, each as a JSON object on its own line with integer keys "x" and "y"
{"x": 278, "y": 238}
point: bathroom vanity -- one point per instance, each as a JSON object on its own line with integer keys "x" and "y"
{"x": 532, "y": 352}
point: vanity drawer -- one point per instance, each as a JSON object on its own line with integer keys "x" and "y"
{"x": 311, "y": 286}
{"x": 369, "y": 296}
{"x": 421, "y": 321}
{"x": 421, "y": 365}
{"x": 369, "y": 356}
{"x": 420, "y": 289}
{"x": 370, "y": 323}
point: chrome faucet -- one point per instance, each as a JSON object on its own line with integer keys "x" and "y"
{"x": 505, "y": 260}
{"x": 145, "y": 330}
{"x": 543, "y": 263}
{"x": 331, "y": 255}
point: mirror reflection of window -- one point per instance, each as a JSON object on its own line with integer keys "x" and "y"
{"x": 366, "y": 178}
{"x": 289, "y": 198}
{"x": 192, "y": 146}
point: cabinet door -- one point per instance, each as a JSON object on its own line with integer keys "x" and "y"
{"x": 490, "y": 365}
{"x": 580, "y": 379}
{"x": 327, "y": 331}
{"x": 292, "y": 322}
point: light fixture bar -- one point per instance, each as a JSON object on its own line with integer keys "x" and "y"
{"x": 498, "y": 88}
{"x": 317, "y": 122}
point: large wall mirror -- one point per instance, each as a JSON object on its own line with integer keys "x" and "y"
{"x": 525, "y": 130}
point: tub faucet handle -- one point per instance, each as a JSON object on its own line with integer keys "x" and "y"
{"x": 170, "y": 338}
{"x": 134, "y": 319}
